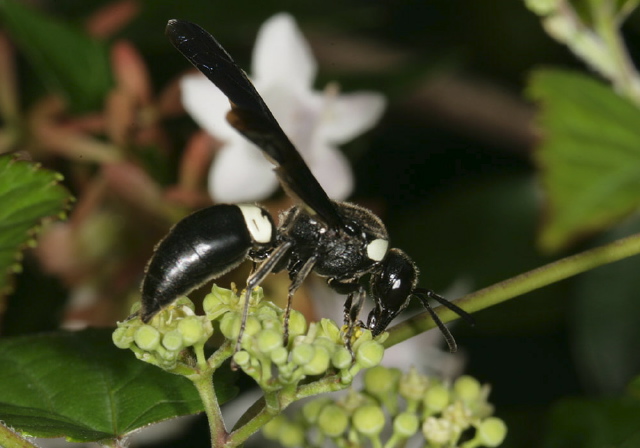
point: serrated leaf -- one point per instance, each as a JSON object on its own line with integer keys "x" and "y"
{"x": 80, "y": 386}
{"x": 28, "y": 194}
{"x": 589, "y": 156}
{"x": 66, "y": 59}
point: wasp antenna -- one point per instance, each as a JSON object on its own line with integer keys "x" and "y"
{"x": 421, "y": 292}
{"x": 451, "y": 342}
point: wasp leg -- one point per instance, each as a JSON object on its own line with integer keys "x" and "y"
{"x": 351, "y": 313}
{"x": 306, "y": 269}
{"x": 254, "y": 280}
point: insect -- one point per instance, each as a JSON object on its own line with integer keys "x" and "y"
{"x": 339, "y": 241}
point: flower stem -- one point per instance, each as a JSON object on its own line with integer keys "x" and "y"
{"x": 273, "y": 403}
{"x": 204, "y": 383}
{"x": 223, "y": 353}
{"x": 520, "y": 284}
{"x": 259, "y": 419}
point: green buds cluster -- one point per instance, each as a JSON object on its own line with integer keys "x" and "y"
{"x": 402, "y": 405}
{"x": 164, "y": 339}
{"x": 310, "y": 350}
{"x": 317, "y": 351}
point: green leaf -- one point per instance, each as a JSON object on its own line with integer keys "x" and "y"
{"x": 67, "y": 60}
{"x": 594, "y": 423}
{"x": 79, "y": 385}
{"x": 27, "y": 195}
{"x": 589, "y": 156}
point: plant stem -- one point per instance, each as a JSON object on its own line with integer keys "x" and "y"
{"x": 11, "y": 439}
{"x": 274, "y": 403}
{"x": 520, "y": 284}
{"x": 261, "y": 418}
{"x": 223, "y": 353}
{"x": 204, "y": 383}
{"x": 625, "y": 75}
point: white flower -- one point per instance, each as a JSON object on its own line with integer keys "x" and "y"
{"x": 283, "y": 71}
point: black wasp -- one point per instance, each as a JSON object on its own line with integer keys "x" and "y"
{"x": 337, "y": 240}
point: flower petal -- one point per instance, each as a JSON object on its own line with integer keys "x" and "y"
{"x": 239, "y": 173}
{"x": 351, "y": 114}
{"x": 207, "y": 105}
{"x": 333, "y": 171}
{"x": 282, "y": 55}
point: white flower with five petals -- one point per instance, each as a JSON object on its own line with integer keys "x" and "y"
{"x": 283, "y": 70}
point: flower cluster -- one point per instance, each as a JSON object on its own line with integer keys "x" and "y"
{"x": 446, "y": 415}
{"x": 310, "y": 350}
{"x": 164, "y": 339}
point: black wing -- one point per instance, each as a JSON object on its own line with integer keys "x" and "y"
{"x": 252, "y": 118}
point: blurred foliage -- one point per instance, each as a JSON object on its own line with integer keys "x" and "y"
{"x": 450, "y": 169}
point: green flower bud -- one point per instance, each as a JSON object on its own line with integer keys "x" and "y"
{"x": 369, "y": 354}
{"x": 147, "y": 337}
{"x": 319, "y": 363}
{"x": 311, "y": 409}
{"x": 406, "y": 424}
{"x": 354, "y": 400}
{"x": 368, "y": 420}
{"x": 458, "y": 414}
{"x": 360, "y": 336}
{"x": 268, "y": 340}
{"x": 341, "y": 358}
{"x": 223, "y": 295}
{"x": 267, "y": 310}
{"x": 542, "y": 7}
{"x": 271, "y": 323}
{"x": 379, "y": 380}
{"x": 333, "y": 420}
{"x": 253, "y": 326}
{"x": 256, "y": 296}
{"x": 230, "y": 325}
{"x": 297, "y": 323}
{"x": 172, "y": 340}
{"x": 291, "y": 435}
{"x": 213, "y": 306}
{"x": 325, "y": 343}
{"x": 413, "y": 384}
{"x": 191, "y": 328}
{"x": 280, "y": 355}
{"x": 166, "y": 355}
{"x": 135, "y": 307}
{"x": 436, "y": 398}
{"x": 467, "y": 388}
{"x": 184, "y": 301}
{"x": 330, "y": 330}
{"x": 438, "y": 430}
{"x": 273, "y": 428}
{"x": 242, "y": 358}
{"x": 302, "y": 354}
{"x": 491, "y": 432}
{"x": 122, "y": 337}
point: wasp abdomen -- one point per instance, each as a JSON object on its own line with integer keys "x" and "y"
{"x": 202, "y": 247}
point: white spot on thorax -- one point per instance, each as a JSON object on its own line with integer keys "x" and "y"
{"x": 377, "y": 249}
{"x": 258, "y": 224}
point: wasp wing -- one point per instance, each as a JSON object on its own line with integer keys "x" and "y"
{"x": 251, "y": 117}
